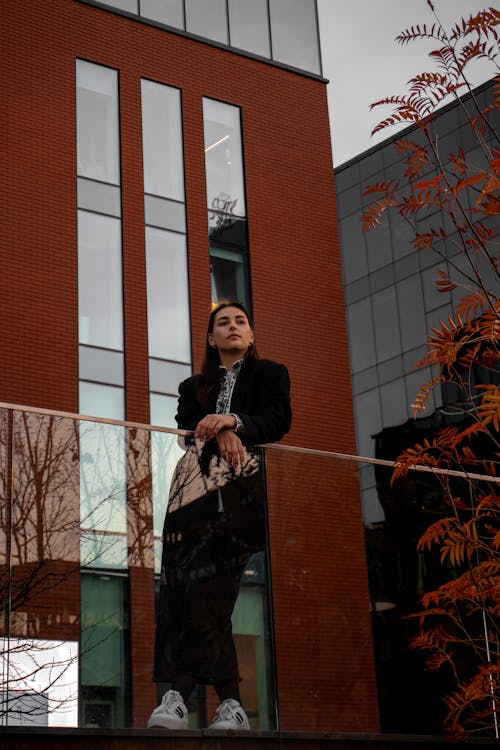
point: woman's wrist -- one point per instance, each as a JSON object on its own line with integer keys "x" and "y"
{"x": 237, "y": 425}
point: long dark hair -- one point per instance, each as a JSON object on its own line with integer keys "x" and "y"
{"x": 210, "y": 365}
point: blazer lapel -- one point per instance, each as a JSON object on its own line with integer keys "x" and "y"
{"x": 242, "y": 390}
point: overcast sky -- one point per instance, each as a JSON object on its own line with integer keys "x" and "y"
{"x": 364, "y": 63}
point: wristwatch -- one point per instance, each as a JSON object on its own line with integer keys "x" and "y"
{"x": 238, "y": 424}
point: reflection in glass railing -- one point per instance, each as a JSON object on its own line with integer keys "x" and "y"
{"x": 84, "y": 579}
{"x": 165, "y": 452}
{"x": 84, "y": 503}
{"x": 103, "y": 495}
{"x": 40, "y": 682}
{"x": 39, "y": 648}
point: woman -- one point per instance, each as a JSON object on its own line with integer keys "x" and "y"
{"x": 238, "y": 400}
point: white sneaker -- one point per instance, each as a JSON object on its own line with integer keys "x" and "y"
{"x": 171, "y": 713}
{"x": 230, "y": 715}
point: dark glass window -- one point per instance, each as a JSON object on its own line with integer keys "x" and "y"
{"x": 378, "y": 245}
{"x": 228, "y": 273}
{"x": 103, "y": 663}
{"x": 361, "y": 335}
{"x": 354, "y": 261}
{"x": 410, "y": 308}
{"x": 386, "y": 321}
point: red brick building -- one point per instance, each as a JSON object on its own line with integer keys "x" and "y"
{"x": 278, "y": 240}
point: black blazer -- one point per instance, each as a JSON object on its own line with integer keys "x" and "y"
{"x": 261, "y": 399}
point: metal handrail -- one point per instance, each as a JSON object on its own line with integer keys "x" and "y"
{"x": 268, "y": 446}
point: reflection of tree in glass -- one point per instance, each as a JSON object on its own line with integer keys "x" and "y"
{"x": 103, "y": 475}
{"x": 200, "y": 471}
{"x": 166, "y": 451}
{"x": 139, "y": 498}
{"x": 221, "y": 213}
{"x": 41, "y": 522}
{"x": 39, "y": 525}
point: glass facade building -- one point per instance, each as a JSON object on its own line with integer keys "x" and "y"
{"x": 392, "y": 302}
{"x": 392, "y": 305}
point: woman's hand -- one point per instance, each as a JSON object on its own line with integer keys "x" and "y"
{"x": 211, "y": 425}
{"x": 232, "y": 449}
{"x": 220, "y": 426}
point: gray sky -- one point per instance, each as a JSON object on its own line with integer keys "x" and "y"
{"x": 364, "y": 63}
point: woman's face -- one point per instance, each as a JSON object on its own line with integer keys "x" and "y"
{"x": 232, "y": 333}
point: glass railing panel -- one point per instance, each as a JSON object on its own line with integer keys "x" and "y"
{"x": 103, "y": 495}
{"x": 84, "y": 542}
{"x": 436, "y": 534}
{"x": 140, "y": 473}
{"x": 5, "y": 564}
{"x": 117, "y": 574}
{"x": 5, "y": 514}
{"x": 213, "y": 527}
{"x": 40, "y": 663}
{"x": 320, "y": 593}
{"x": 165, "y": 453}
{"x": 349, "y": 571}
{"x": 320, "y": 605}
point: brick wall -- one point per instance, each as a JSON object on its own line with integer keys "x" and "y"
{"x": 296, "y": 283}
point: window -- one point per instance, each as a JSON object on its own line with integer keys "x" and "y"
{"x": 294, "y": 31}
{"x": 103, "y": 492}
{"x": 226, "y": 202}
{"x": 241, "y": 24}
{"x": 169, "y": 324}
{"x": 223, "y": 158}
{"x": 170, "y": 12}
{"x": 168, "y": 307}
{"x": 249, "y": 26}
{"x": 103, "y": 669}
{"x": 100, "y": 293}
{"x": 162, "y": 141}
{"x": 207, "y": 19}
{"x": 100, "y": 303}
{"x": 97, "y": 122}
{"x": 131, "y": 6}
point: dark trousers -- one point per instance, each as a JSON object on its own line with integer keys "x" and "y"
{"x": 204, "y": 554}
{"x": 194, "y": 633}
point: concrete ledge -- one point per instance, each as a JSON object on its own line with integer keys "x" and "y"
{"x": 36, "y": 738}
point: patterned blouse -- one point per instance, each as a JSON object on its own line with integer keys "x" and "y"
{"x": 228, "y": 381}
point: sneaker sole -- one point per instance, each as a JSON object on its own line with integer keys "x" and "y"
{"x": 156, "y": 725}
{"x": 227, "y": 729}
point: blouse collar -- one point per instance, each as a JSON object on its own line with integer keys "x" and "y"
{"x": 234, "y": 369}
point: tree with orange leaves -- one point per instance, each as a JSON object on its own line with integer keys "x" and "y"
{"x": 459, "y": 622}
